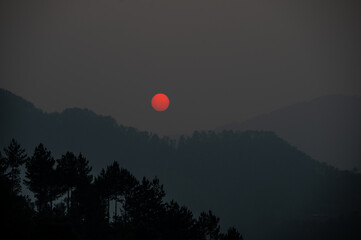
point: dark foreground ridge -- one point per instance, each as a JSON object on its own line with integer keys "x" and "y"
{"x": 70, "y": 204}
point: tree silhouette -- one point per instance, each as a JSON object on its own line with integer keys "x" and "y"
{"x": 116, "y": 183}
{"x": 103, "y": 190}
{"x": 15, "y": 157}
{"x": 144, "y": 206}
{"x": 82, "y": 188}
{"x": 232, "y": 234}
{"x": 209, "y": 225}
{"x": 143, "y": 213}
{"x": 41, "y": 178}
{"x": 127, "y": 183}
{"x": 67, "y": 174}
{"x": 83, "y": 171}
{"x": 73, "y": 172}
{"x": 178, "y": 223}
{"x": 3, "y": 164}
{"x": 105, "y": 184}
{"x": 113, "y": 176}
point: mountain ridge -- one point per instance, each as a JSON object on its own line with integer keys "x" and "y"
{"x": 249, "y": 178}
{"x": 327, "y": 128}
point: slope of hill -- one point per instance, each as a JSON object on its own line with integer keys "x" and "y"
{"x": 253, "y": 180}
{"x": 78, "y": 130}
{"x": 327, "y": 128}
{"x": 258, "y": 180}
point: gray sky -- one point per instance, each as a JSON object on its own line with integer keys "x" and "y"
{"x": 219, "y": 61}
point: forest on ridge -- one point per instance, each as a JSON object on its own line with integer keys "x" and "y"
{"x": 70, "y": 203}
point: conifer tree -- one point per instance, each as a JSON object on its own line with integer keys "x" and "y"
{"x": 15, "y": 157}
{"x": 209, "y": 225}
{"x": 3, "y": 166}
{"x": 73, "y": 172}
{"x": 41, "y": 178}
{"x": 232, "y": 234}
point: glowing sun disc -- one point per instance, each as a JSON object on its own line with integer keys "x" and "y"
{"x": 160, "y": 102}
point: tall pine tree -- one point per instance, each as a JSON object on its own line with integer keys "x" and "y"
{"x": 3, "y": 164}
{"x": 73, "y": 172}
{"x": 15, "y": 157}
{"x": 41, "y": 177}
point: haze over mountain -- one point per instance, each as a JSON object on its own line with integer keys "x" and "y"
{"x": 253, "y": 180}
{"x": 327, "y": 128}
{"x": 218, "y": 61}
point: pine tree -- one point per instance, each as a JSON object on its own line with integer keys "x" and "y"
{"x": 3, "y": 164}
{"x": 145, "y": 208}
{"x": 126, "y": 183}
{"x": 73, "y": 172}
{"x": 67, "y": 174}
{"x": 40, "y": 177}
{"x": 209, "y": 225}
{"x": 232, "y": 234}
{"x": 83, "y": 170}
{"x": 81, "y": 187}
{"x": 111, "y": 184}
{"x": 15, "y": 157}
{"x": 178, "y": 223}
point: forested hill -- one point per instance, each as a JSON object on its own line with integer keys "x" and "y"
{"x": 253, "y": 180}
{"x": 327, "y": 128}
{"x": 76, "y": 130}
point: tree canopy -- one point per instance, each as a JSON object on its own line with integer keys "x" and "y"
{"x": 140, "y": 211}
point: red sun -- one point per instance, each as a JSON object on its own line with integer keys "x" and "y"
{"x": 160, "y": 102}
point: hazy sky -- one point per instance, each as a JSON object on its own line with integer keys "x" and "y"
{"x": 219, "y": 61}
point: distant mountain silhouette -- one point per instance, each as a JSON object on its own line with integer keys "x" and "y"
{"x": 253, "y": 180}
{"x": 327, "y": 128}
{"x": 77, "y": 130}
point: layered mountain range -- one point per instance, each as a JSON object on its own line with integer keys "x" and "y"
{"x": 254, "y": 180}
